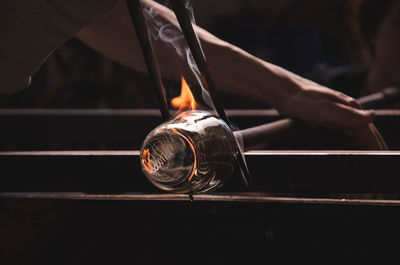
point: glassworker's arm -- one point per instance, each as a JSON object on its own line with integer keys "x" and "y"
{"x": 238, "y": 72}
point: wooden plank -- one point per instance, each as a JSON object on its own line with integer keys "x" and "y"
{"x": 82, "y": 129}
{"x": 248, "y": 197}
{"x": 75, "y": 129}
{"x": 289, "y": 172}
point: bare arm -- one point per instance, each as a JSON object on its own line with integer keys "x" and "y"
{"x": 234, "y": 70}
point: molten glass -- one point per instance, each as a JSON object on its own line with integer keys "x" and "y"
{"x": 192, "y": 153}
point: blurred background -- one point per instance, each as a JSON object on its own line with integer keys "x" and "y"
{"x": 326, "y": 41}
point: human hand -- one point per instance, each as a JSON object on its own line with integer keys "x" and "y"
{"x": 320, "y": 106}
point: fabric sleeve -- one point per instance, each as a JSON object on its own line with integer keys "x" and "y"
{"x": 31, "y": 30}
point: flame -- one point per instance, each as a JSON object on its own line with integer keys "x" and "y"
{"x": 146, "y": 160}
{"x": 186, "y": 99}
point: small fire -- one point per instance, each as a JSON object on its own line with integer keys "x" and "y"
{"x": 186, "y": 99}
{"x": 146, "y": 160}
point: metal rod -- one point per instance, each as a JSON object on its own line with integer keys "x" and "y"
{"x": 139, "y": 22}
{"x": 198, "y": 55}
{"x": 186, "y": 25}
{"x": 384, "y": 97}
{"x": 269, "y": 131}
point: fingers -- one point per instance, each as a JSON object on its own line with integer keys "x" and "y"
{"x": 322, "y": 106}
{"x": 342, "y": 98}
{"x": 344, "y": 117}
{"x": 349, "y": 116}
{"x": 358, "y": 124}
{"x": 355, "y": 104}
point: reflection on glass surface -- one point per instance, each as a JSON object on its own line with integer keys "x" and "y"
{"x": 192, "y": 153}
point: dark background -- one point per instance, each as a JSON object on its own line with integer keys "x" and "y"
{"x": 318, "y": 39}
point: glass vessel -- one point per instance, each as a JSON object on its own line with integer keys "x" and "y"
{"x": 194, "y": 152}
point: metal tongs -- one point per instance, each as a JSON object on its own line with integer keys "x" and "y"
{"x": 250, "y": 136}
{"x": 186, "y": 25}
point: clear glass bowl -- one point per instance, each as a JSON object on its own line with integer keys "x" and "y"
{"x": 192, "y": 153}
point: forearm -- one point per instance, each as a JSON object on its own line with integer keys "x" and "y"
{"x": 239, "y": 72}
{"x": 233, "y": 70}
